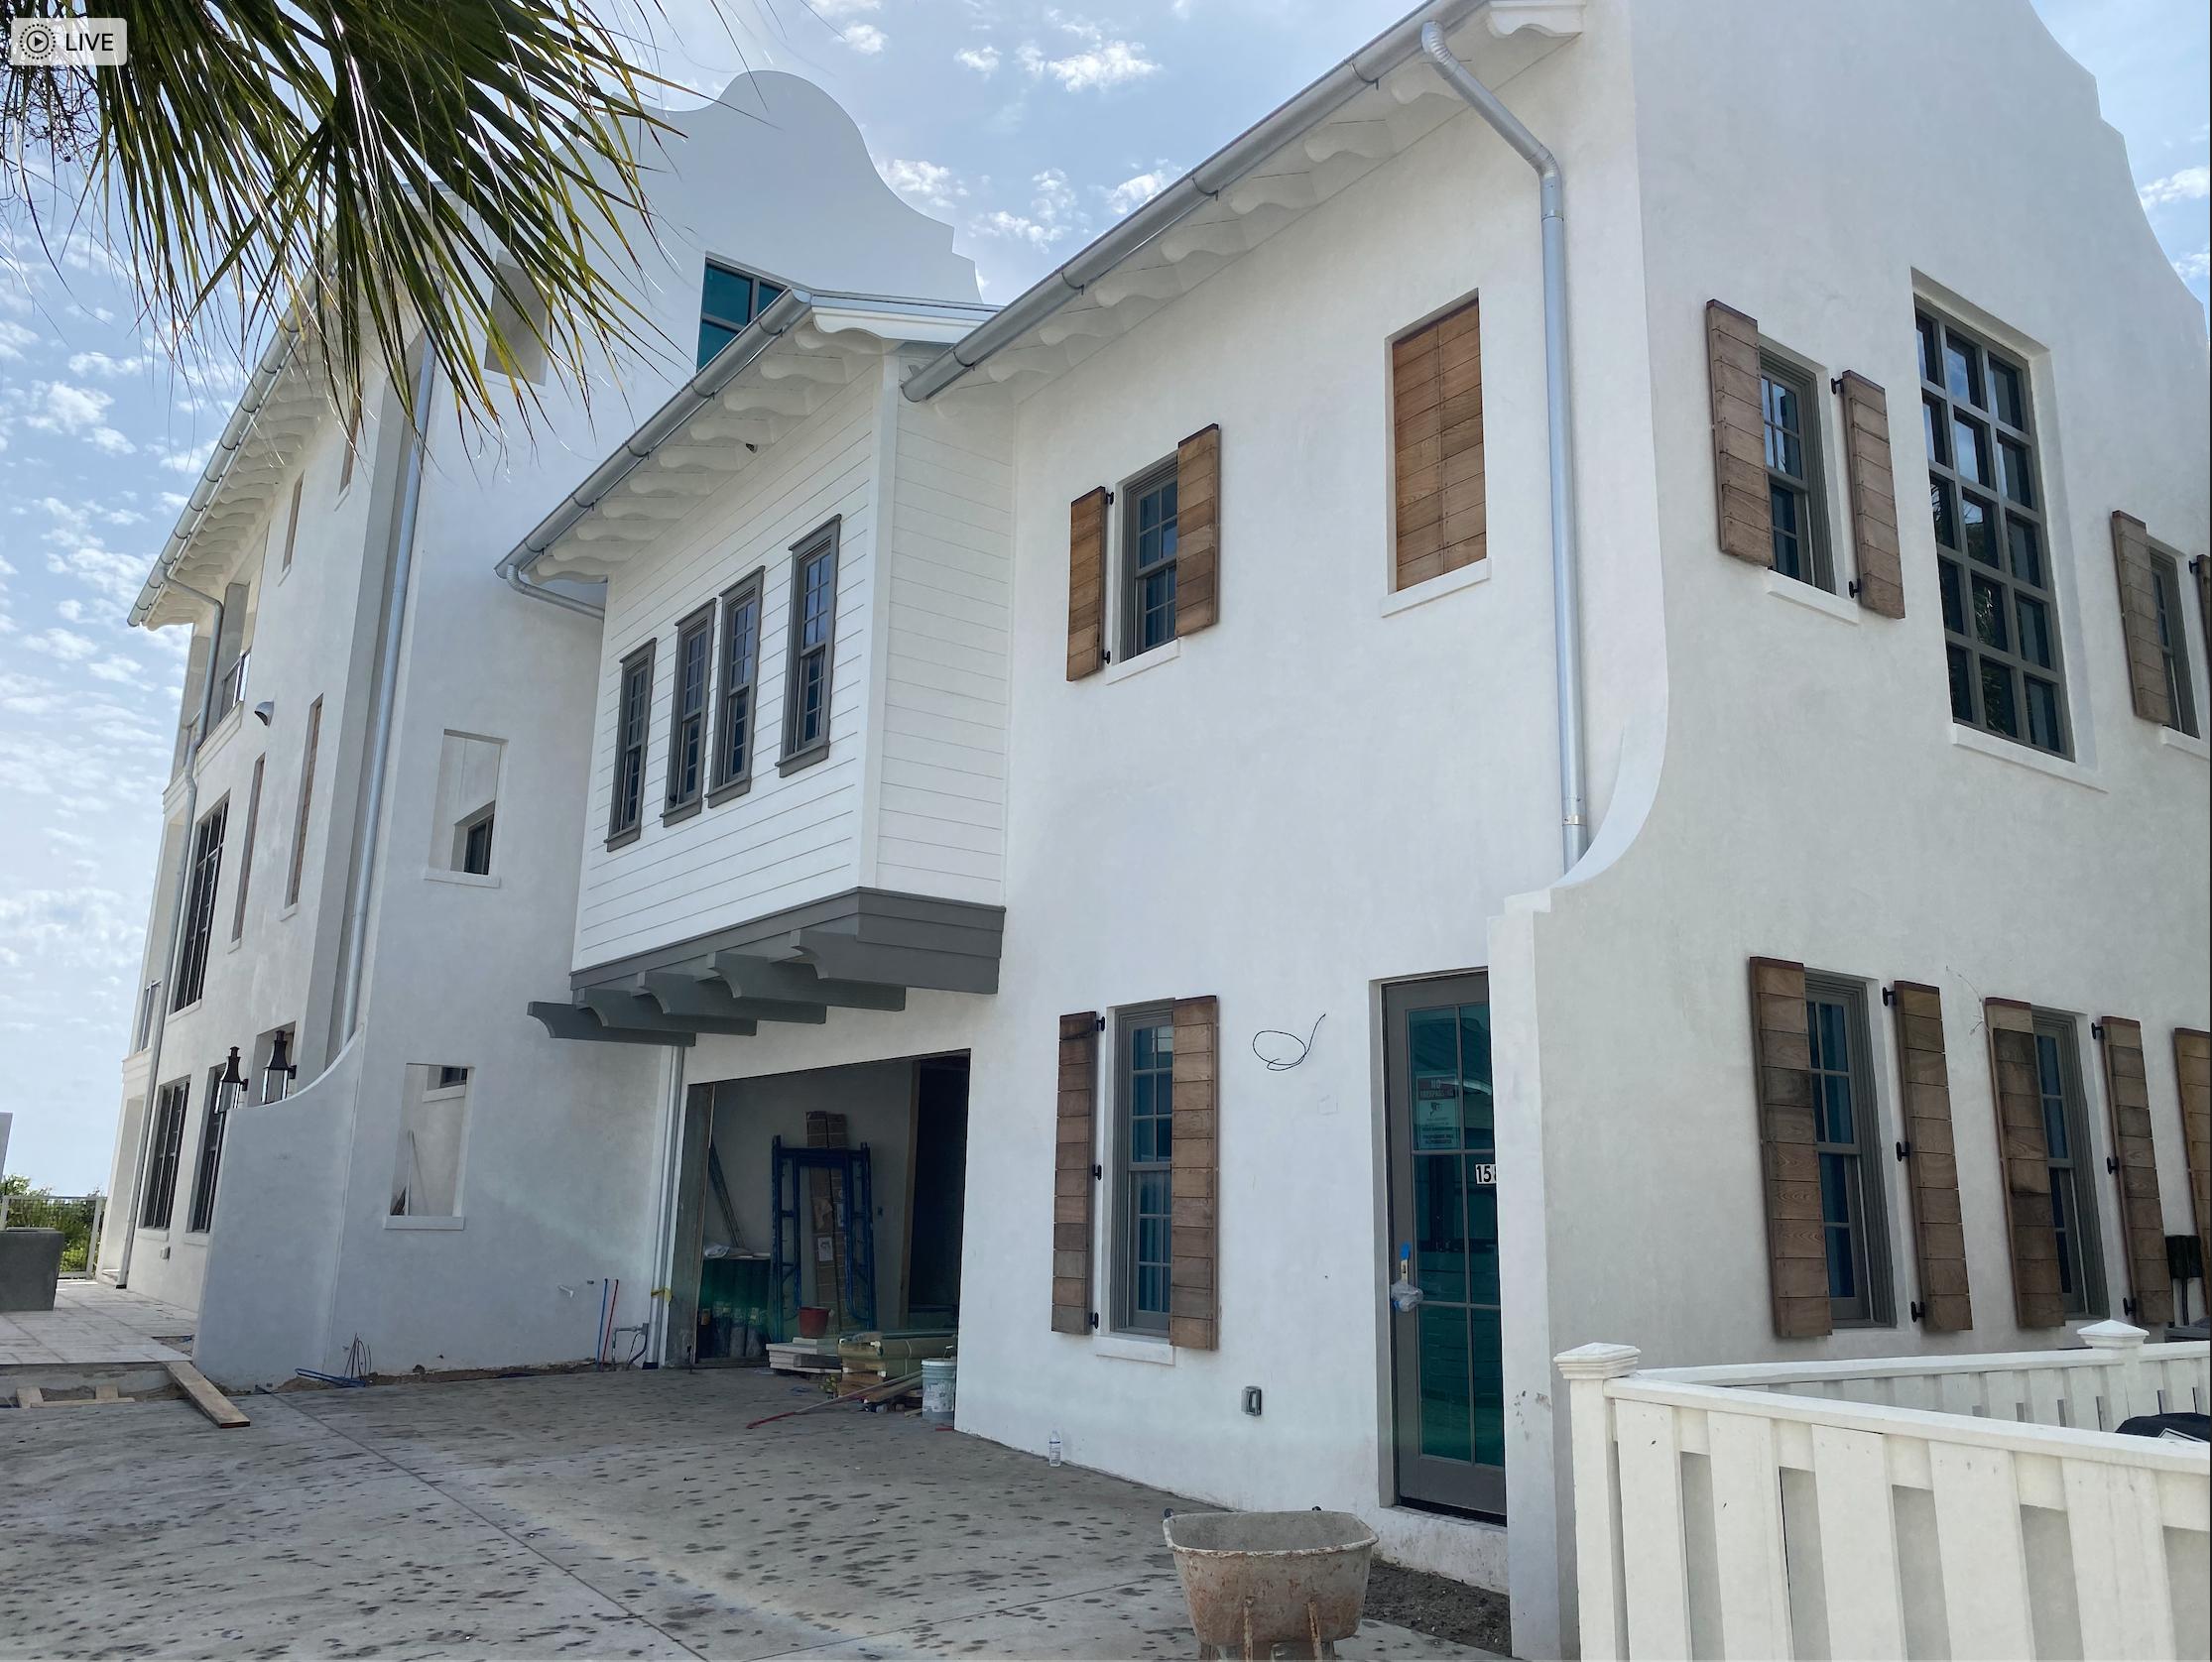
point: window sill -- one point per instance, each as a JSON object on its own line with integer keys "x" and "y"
{"x": 623, "y": 839}
{"x": 2175, "y": 740}
{"x": 410, "y": 1223}
{"x": 804, "y": 760}
{"x": 467, "y": 880}
{"x": 729, "y": 793}
{"x": 285, "y": 916}
{"x": 1128, "y": 1346}
{"x": 445, "y": 1093}
{"x": 183, "y": 1009}
{"x": 1435, "y": 588}
{"x": 1151, "y": 659}
{"x": 677, "y": 816}
{"x": 1813, "y": 599}
{"x": 2024, "y": 755}
{"x": 234, "y": 943}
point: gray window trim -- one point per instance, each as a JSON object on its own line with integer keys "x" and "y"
{"x": 825, "y": 540}
{"x": 1811, "y": 486}
{"x": 166, "y": 1135}
{"x": 300, "y": 815}
{"x": 1123, "y": 1255}
{"x": 487, "y": 815}
{"x": 1957, "y": 571}
{"x": 198, "y": 921}
{"x": 1127, "y": 497}
{"x": 732, "y": 782}
{"x": 695, "y": 626}
{"x": 1870, "y": 1223}
{"x": 199, "y": 1212}
{"x": 2075, "y": 1174}
{"x": 246, "y": 848}
{"x": 622, "y": 828}
{"x": 2173, "y": 638}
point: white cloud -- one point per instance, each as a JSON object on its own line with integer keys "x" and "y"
{"x": 866, "y": 39}
{"x": 1134, "y": 192}
{"x": 66, "y": 408}
{"x": 836, "y": 11}
{"x": 113, "y": 442}
{"x": 1052, "y": 216}
{"x": 984, "y": 60}
{"x": 1103, "y": 61}
{"x": 188, "y": 461}
{"x": 2194, "y": 268}
{"x": 117, "y": 577}
{"x": 14, "y": 337}
{"x": 924, "y": 182}
{"x": 65, "y": 645}
{"x": 99, "y": 363}
{"x": 85, "y": 927}
{"x": 2190, "y": 185}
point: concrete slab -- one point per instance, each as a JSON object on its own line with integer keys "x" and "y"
{"x": 608, "y": 1514}
{"x": 93, "y": 1323}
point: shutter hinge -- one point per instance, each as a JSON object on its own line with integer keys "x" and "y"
{"x": 1835, "y": 385}
{"x": 2128, "y": 1307}
{"x": 1094, "y": 1319}
{"x": 1889, "y": 993}
{"x": 1098, "y": 1024}
{"x": 1920, "y": 1311}
{"x": 1852, "y": 588}
{"x": 1904, "y": 1150}
{"x": 1098, "y": 1174}
{"x": 1109, "y": 499}
{"x": 2096, "y": 1029}
{"x": 2112, "y": 1165}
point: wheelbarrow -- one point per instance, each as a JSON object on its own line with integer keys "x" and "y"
{"x": 1257, "y": 1579}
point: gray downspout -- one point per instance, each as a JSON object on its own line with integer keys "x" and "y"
{"x": 176, "y": 933}
{"x": 1567, "y": 601}
{"x": 522, "y": 585}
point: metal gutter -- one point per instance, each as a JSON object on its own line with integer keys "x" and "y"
{"x": 1398, "y": 45}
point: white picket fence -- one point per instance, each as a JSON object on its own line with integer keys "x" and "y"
{"x": 1912, "y": 1506}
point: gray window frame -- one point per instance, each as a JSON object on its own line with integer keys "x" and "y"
{"x": 198, "y": 921}
{"x": 246, "y": 850}
{"x": 825, "y": 541}
{"x": 688, "y": 726}
{"x": 2074, "y": 1176}
{"x": 165, "y": 1133}
{"x": 1131, "y": 496}
{"x": 2173, "y": 638}
{"x": 1127, "y": 1022}
{"x": 732, "y": 781}
{"x": 755, "y": 298}
{"x": 1958, "y": 569}
{"x": 623, "y": 827}
{"x": 486, "y": 820}
{"x": 214, "y": 1115}
{"x": 1816, "y": 545}
{"x": 1868, "y": 1226}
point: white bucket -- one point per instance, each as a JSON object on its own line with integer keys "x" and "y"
{"x": 939, "y": 1390}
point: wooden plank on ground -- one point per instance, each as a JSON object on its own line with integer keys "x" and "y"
{"x": 206, "y": 1397}
{"x": 29, "y": 1396}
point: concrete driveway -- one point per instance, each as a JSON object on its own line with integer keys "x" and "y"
{"x": 609, "y": 1514}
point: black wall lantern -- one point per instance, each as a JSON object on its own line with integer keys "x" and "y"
{"x": 276, "y": 1077}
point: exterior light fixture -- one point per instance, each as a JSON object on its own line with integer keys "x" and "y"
{"x": 282, "y": 1070}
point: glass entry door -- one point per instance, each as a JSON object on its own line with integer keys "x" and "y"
{"x": 1447, "y": 1377}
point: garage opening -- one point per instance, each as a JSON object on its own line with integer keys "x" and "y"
{"x": 816, "y": 1205}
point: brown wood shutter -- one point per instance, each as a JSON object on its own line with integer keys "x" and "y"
{"x": 1192, "y": 1303}
{"x": 1796, "y": 1242}
{"x": 2192, "y": 1069}
{"x": 1074, "y": 1150}
{"x": 1874, "y": 495}
{"x": 1442, "y": 501}
{"x": 2141, "y": 1226}
{"x": 1086, "y": 584}
{"x": 1198, "y": 532}
{"x": 1932, "y": 1161}
{"x": 2024, "y": 1156}
{"x": 2138, "y": 620}
{"x": 1747, "y": 528}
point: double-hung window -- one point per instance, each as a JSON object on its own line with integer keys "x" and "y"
{"x": 199, "y": 907}
{"x": 694, "y": 670}
{"x": 741, "y": 669}
{"x": 729, "y": 300}
{"x": 166, "y": 1142}
{"x": 1148, "y": 588}
{"x": 814, "y": 638}
{"x": 1797, "y": 504}
{"x": 632, "y": 726}
{"x": 201, "y": 1216}
{"x": 2073, "y": 1198}
{"x": 1993, "y": 552}
{"x": 2173, "y": 640}
{"x": 1849, "y": 1145}
{"x": 1144, "y": 1167}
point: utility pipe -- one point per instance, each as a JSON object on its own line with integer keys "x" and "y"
{"x": 1566, "y": 602}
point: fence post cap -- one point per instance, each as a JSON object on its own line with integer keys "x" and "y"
{"x": 2112, "y": 1336}
{"x": 1597, "y": 1361}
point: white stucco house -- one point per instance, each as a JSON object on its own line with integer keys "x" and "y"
{"x": 1400, "y": 709}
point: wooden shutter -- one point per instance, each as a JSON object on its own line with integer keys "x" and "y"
{"x": 1193, "y": 1302}
{"x": 2141, "y": 1226}
{"x": 1797, "y": 1242}
{"x": 1874, "y": 495}
{"x": 1932, "y": 1161}
{"x": 1198, "y": 532}
{"x": 1075, "y": 1148}
{"x": 2192, "y": 1068}
{"x": 2138, "y": 620}
{"x": 1747, "y": 528}
{"x": 1086, "y": 584}
{"x": 1442, "y": 508}
{"x": 2025, "y": 1154}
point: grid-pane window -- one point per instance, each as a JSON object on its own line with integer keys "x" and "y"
{"x": 2073, "y": 1200}
{"x": 1848, "y": 1144}
{"x": 199, "y": 907}
{"x": 728, "y": 301}
{"x": 741, "y": 665}
{"x": 201, "y": 1216}
{"x": 695, "y": 648}
{"x": 633, "y": 720}
{"x": 1146, "y": 1179}
{"x": 1149, "y": 563}
{"x": 166, "y": 1142}
{"x": 1797, "y": 503}
{"x": 1985, "y": 495}
{"x": 2173, "y": 640}
{"x": 814, "y": 635}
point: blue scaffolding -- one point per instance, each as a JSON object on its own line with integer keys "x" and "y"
{"x": 856, "y": 1223}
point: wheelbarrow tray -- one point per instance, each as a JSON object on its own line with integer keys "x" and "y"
{"x": 1257, "y": 1580}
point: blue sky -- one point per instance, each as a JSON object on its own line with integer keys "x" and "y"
{"x": 1029, "y": 127}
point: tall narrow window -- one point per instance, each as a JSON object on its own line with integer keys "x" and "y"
{"x": 729, "y": 300}
{"x": 201, "y": 1216}
{"x": 813, "y": 636}
{"x": 1798, "y": 505}
{"x": 632, "y": 724}
{"x": 246, "y": 850}
{"x": 166, "y": 1142}
{"x": 2000, "y": 607}
{"x": 1149, "y": 561}
{"x": 1849, "y": 1147}
{"x": 2073, "y": 1202}
{"x": 1144, "y": 1174}
{"x": 741, "y": 661}
{"x": 199, "y": 907}
{"x": 694, "y": 672}
{"x": 2173, "y": 640}
{"x": 306, "y": 801}
{"x": 291, "y": 519}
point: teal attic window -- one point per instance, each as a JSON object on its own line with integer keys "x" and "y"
{"x": 730, "y": 299}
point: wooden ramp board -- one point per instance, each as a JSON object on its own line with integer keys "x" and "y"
{"x": 206, "y": 1397}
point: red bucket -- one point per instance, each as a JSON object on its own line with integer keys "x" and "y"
{"x": 813, "y": 1321}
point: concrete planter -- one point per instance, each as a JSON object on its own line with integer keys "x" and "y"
{"x": 30, "y": 1269}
